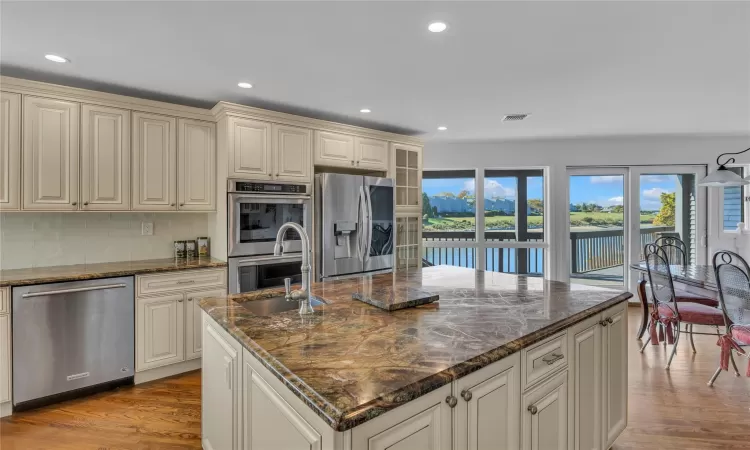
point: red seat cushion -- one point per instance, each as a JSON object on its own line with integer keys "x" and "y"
{"x": 694, "y": 313}
{"x": 741, "y": 334}
{"x": 683, "y": 296}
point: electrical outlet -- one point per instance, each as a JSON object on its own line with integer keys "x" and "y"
{"x": 147, "y": 228}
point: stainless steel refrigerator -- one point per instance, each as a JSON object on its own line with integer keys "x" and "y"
{"x": 355, "y": 219}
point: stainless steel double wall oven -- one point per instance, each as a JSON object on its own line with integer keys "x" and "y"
{"x": 256, "y": 211}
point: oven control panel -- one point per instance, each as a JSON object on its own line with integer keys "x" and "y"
{"x": 269, "y": 188}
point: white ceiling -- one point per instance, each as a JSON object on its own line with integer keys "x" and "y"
{"x": 580, "y": 68}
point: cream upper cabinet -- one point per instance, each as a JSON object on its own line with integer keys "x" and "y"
{"x": 615, "y": 373}
{"x": 160, "y": 327}
{"x": 154, "y": 162}
{"x": 250, "y": 150}
{"x": 50, "y": 154}
{"x": 406, "y": 168}
{"x": 585, "y": 393}
{"x": 10, "y": 151}
{"x": 292, "y": 148}
{"x": 334, "y": 149}
{"x": 196, "y": 162}
{"x": 371, "y": 153}
{"x": 487, "y": 414}
{"x": 105, "y": 158}
{"x": 544, "y": 415}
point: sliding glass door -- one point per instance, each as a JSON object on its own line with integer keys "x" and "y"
{"x": 598, "y": 226}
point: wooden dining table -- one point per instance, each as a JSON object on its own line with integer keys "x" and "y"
{"x": 695, "y": 279}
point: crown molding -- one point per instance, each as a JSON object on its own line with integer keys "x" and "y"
{"x": 227, "y": 109}
{"x": 28, "y": 87}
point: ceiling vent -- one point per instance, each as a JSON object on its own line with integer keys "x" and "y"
{"x": 514, "y": 117}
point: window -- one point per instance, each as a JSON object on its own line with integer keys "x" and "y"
{"x": 734, "y": 205}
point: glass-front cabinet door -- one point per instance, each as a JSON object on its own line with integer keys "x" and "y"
{"x": 407, "y": 241}
{"x": 408, "y": 176}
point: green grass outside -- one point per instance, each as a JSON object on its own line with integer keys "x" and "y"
{"x": 507, "y": 222}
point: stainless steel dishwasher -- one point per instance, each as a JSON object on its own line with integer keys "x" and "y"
{"x": 71, "y": 339}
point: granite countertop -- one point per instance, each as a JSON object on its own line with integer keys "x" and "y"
{"x": 351, "y": 361}
{"x": 701, "y": 276}
{"x": 54, "y": 274}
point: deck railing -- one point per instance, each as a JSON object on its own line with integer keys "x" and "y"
{"x": 590, "y": 250}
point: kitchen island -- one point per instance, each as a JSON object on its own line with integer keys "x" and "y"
{"x": 500, "y": 361}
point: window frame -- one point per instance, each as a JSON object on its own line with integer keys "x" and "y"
{"x": 745, "y": 192}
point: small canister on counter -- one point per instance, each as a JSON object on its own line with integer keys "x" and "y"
{"x": 204, "y": 247}
{"x": 179, "y": 249}
{"x": 191, "y": 249}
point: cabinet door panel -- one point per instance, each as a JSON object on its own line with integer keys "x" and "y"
{"x": 615, "y": 373}
{"x": 50, "y": 154}
{"x": 5, "y": 373}
{"x": 10, "y": 151}
{"x": 250, "y": 154}
{"x": 544, "y": 423}
{"x": 270, "y": 422}
{"x": 154, "y": 162}
{"x": 585, "y": 388}
{"x": 193, "y": 334}
{"x": 293, "y": 147}
{"x": 333, "y": 149}
{"x": 160, "y": 332}
{"x": 490, "y": 418}
{"x": 196, "y": 160}
{"x": 371, "y": 153}
{"x": 105, "y": 158}
{"x": 220, "y": 386}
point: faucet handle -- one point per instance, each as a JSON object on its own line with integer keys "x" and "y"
{"x": 288, "y": 288}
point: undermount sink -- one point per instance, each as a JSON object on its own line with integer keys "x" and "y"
{"x": 275, "y": 305}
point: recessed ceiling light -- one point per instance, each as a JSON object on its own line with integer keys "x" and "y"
{"x": 515, "y": 117}
{"x": 245, "y": 85}
{"x": 55, "y": 58}
{"x": 365, "y": 110}
{"x": 437, "y": 27}
{"x": 442, "y": 128}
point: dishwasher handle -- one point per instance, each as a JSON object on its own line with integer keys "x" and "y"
{"x": 72, "y": 290}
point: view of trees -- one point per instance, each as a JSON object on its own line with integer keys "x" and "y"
{"x": 667, "y": 211}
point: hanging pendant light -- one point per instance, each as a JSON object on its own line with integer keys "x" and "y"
{"x": 724, "y": 177}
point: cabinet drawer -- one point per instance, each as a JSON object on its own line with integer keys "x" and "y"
{"x": 543, "y": 359}
{"x": 180, "y": 281}
{"x": 4, "y": 300}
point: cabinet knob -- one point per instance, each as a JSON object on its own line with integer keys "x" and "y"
{"x": 171, "y": 204}
{"x": 270, "y": 174}
{"x": 277, "y": 175}
{"x": 451, "y": 401}
{"x": 466, "y": 394}
{"x": 609, "y": 320}
{"x": 357, "y": 162}
{"x": 532, "y": 409}
{"x": 182, "y": 204}
{"x": 352, "y": 162}
{"x": 603, "y": 323}
{"x": 74, "y": 203}
{"x": 85, "y": 203}
{"x": 190, "y": 299}
{"x": 180, "y": 300}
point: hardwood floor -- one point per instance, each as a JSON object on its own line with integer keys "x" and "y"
{"x": 667, "y": 409}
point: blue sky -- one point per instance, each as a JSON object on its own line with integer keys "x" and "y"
{"x": 604, "y": 190}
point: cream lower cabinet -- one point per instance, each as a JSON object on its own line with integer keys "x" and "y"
{"x": 598, "y": 376}
{"x": 5, "y": 353}
{"x": 168, "y": 318}
{"x": 221, "y": 390}
{"x": 487, "y": 414}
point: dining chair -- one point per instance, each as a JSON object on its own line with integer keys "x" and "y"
{"x": 667, "y": 314}
{"x": 733, "y": 280}
{"x": 677, "y": 254}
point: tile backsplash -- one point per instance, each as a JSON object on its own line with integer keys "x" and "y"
{"x": 51, "y": 239}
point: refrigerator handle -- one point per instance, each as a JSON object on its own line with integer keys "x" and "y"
{"x": 368, "y": 242}
{"x": 360, "y": 221}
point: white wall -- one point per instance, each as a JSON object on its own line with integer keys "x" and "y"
{"x": 558, "y": 154}
{"x": 49, "y": 239}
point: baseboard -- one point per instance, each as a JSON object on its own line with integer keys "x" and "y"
{"x": 167, "y": 371}
{"x": 6, "y": 409}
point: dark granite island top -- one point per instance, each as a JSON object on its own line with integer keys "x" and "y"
{"x": 352, "y": 362}
{"x": 55, "y": 274}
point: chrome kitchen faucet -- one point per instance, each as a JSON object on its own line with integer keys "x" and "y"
{"x": 303, "y": 295}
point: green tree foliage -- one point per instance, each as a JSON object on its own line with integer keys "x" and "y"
{"x": 536, "y": 204}
{"x": 426, "y": 208}
{"x": 618, "y": 209}
{"x": 666, "y": 213}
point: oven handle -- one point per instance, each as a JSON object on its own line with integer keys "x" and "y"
{"x": 293, "y": 199}
{"x": 262, "y": 260}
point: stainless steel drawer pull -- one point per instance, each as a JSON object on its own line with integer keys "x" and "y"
{"x": 72, "y": 290}
{"x": 551, "y": 359}
{"x": 186, "y": 282}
